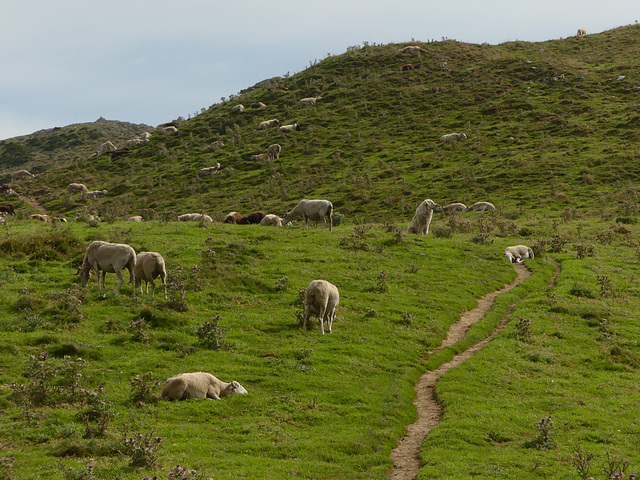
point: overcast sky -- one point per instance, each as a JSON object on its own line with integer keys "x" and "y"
{"x": 141, "y": 61}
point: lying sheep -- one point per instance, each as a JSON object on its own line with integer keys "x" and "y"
{"x": 47, "y": 218}
{"x": 169, "y": 130}
{"x": 135, "y": 218}
{"x": 95, "y": 194}
{"x": 258, "y": 105}
{"x": 518, "y": 253}
{"x": 271, "y": 220}
{"x": 252, "y": 219}
{"x": 422, "y": 218}
{"x": 195, "y": 217}
{"x": 149, "y": 266}
{"x": 411, "y": 49}
{"x": 216, "y": 145}
{"x": 232, "y": 217}
{"x": 237, "y": 108}
{"x": 210, "y": 170}
{"x": 480, "y": 207}
{"x": 309, "y": 100}
{"x": 274, "y": 150}
{"x": 289, "y": 128}
{"x": 453, "y": 137}
{"x": 268, "y": 124}
{"x": 314, "y": 210}
{"x": 321, "y": 297}
{"x": 198, "y": 385}
{"x": 452, "y": 207}
{"x": 261, "y": 157}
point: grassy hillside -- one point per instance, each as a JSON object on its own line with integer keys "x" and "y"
{"x": 552, "y": 141}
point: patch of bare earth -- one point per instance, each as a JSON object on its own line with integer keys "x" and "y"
{"x": 406, "y": 455}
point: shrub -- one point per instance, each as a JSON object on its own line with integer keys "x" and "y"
{"x": 98, "y": 414}
{"x": 210, "y": 334}
{"x": 143, "y": 449}
{"x": 143, "y": 388}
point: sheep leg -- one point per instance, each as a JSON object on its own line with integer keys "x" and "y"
{"x": 321, "y": 317}
{"x": 330, "y": 319}
{"x": 153, "y": 288}
{"x": 121, "y": 281}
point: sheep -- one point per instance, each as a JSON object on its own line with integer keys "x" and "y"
{"x": 258, "y": 105}
{"x": 210, "y": 170}
{"x": 309, "y": 100}
{"x": 322, "y": 297}
{"x": 411, "y": 49}
{"x": 134, "y": 141}
{"x": 75, "y": 188}
{"x": 195, "y": 217}
{"x": 274, "y": 150}
{"x": 8, "y": 208}
{"x": 261, "y": 157}
{"x": 135, "y": 218}
{"x": 252, "y": 218}
{"x": 268, "y": 124}
{"x": 172, "y": 123}
{"x": 518, "y": 253}
{"x": 20, "y": 174}
{"x": 453, "y": 137}
{"x": 581, "y": 32}
{"x": 106, "y": 147}
{"x": 169, "y": 130}
{"x": 271, "y": 220}
{"x": 289, "y": 128}
{"x": 198, "y": 385}
{"x": 7, "y": 190}
{"x": 422, "y": 218}
{"x": 146, "y": 136}
{"x": 233, "y": 217}
{"x": 95, "y": 194}
{"x": 480, "y": 207}
{"x": 47, "y": 218}
{"x": 312, "y": 210}
{"x": 215, "y": 145}
{"x": 452, "y": 207}
{"x": 108, "y": 257}
{"x": 237, "y": 108}
{"x": 149, "y": 266}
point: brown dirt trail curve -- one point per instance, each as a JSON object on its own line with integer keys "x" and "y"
{"x": 406, "y": 455}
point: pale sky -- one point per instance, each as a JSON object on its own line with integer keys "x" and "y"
{"x": 142, "y": 61}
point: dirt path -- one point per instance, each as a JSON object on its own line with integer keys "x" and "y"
{"x": 405, "y": 455}
{"x": 33, "y": 203}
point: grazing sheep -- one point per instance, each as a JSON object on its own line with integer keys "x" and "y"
{"x": 216, "y": 145}
{"x": 422, "y": 218}
{"x": 321, "y": 297}
{"x": 411, "y": 49}
{"x": 106, "y": 147}
{"x": 271, "y": 220}
{"x": 195, "y": 217}
{"x": 20, "y": 174}
{"x": 75, "y": 188}
{"x": 233, "y": 217}
{"x": 7, "y": 190}
{"x": 198, "y": 385}
{"x": 258, "y": 105}
{"x": 169, "y": 130}
{"x": 210, "y": 170}
{"x": 274, "y": 150}
{"x": 452, "y": 207}
{"x": 269, "y": 124}
{"x": 47, "y": 218}
{"x": 8, "y": 208}
{"x": 581, "y": 32}
{"x": 309, "y": 100}
{"x": 96, "y": 193}
{"x": 135, "y": 218}
{"x": 315, "y": 210}
{"x": 149, "y": 266}
{"x": 480, "y": 207}
{"x": 238, "y": 109}
{"x": 252, "y": 219}
{"x": 518, "y": 253}
{"x": 108, "y": 257}
{"x": 261, "y": 157}
{"x": 453, "y": 137}
{"x": 289, "y": 128}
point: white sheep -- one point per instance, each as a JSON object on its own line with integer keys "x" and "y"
{"x": 96, "y": 193}
{"x": 274, "y": 150}
{"x": 77, "y": 188}
{"x": 452, "y": 207}
{"x": 108, "y": 257}
{"x": 518, "y": 253}
{"x": 149, "y": 266}
{"x": 321, "y": 297}
{"x": 269, "y": 124}
{"x": 411, "y": 49}
{"x": 198, "y": 385}
{"x": 47, "y": 218}
{"x": 422, "y": 218}
{"x": 216, "y": 145}
{"x": 169, "y": 130}
{"x": 20, "y": 174}
{"x": 195, "y": 217}
{"x": 271, "y": 220}
{"x": 237, "y": 108}
{"x": 480, "y": 207}
{"x": 106, "y": 147}
{"x": 210, "y": 170}
{"x": 581, "y": 32}
{"x": 453, "y": 137}
{"x": 314, "y": 210}
{"x": 289, "y": 128}
{"x": 258, "y": 105}
{"x": 135, "y": 218}
{"x": 309, "y": 100}
{"x": 261, "y": 157}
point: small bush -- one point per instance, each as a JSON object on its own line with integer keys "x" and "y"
{"x": 143, "y": 449}
{"x": 210, "y": 334}
{"x": 143, "y": 388}
{"x": 98, "y": 414}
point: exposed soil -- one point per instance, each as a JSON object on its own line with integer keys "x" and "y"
{"x": 405, "y": 455}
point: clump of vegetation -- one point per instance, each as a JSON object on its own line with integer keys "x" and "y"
{"x": 583, "y": 251}
{"x": 211, "y": 334}
{"x": 143, "y": 388}
{"x": 612, "y": 468}
{"x": 523, "y": 329}
{"x": 606, "y": 287}
{"x": 98, "y": 413}
{"x": 544, "y": 439}
{"x": 143, "y": 449}
{"x": 6, "y": 467}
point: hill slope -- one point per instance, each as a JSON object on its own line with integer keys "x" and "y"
{"x": 551, "y": 125}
